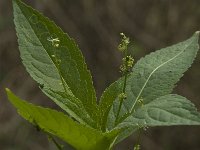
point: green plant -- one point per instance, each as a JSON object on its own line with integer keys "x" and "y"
{"x": 140, "y": 98}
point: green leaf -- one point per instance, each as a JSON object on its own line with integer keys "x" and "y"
{"x": 166, "y": 110}
{"x": 107, "y": 99}
{"x": 153, "y": 76}
{"x": 53, "y": 59}
{"x": 72, "y": 105}
{"x": 79, "y": 136}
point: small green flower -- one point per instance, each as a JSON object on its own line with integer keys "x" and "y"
{"x": 127, "y": 64}
{"x": 141, "y": 101}
{"x": 124, "y": 43}
{"x": 130, "y": 61}
{"x": 137, "y": 147}
{"x": 122, "y": 96}
{"x": 123, "y": 68}
{"x": 55, "y": 42}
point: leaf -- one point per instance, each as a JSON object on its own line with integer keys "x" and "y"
{"x": 72, "y": 105}
{"x": 53, "y": 59}
{"x": 153, "y": 76}
{"x": 107, "y": 99}
{"x": 79, "y": 136}
{"x": 166, "y": 110}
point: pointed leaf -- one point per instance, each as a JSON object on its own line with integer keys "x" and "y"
{"x": 52, "y": 58}
{"x": 166, "y": 110}
{"x": 153, "y": 76}
{"x": 79, "y": 136}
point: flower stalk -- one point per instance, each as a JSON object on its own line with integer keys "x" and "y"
{"x": 127, "y": 63}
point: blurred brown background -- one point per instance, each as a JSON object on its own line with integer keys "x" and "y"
{"x": 95, "y": 25}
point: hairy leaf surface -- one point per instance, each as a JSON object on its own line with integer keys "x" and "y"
{"x": 153, "y": 76}
{"x": 53, "y": 59}
{"x": 166, "y": 110}
{"x": 79, "y": 136}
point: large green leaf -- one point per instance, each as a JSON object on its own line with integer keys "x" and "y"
{"x": 153, "y": 76}
{"x": 166, "y": 110}
{"x": 79, "y": 136}
{"x": 55, "y": 65}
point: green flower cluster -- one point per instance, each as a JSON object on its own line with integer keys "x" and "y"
{"x": 125, "y": 68}
{"x": 55, "y": 42}
{"x": 122, "y": 96}
{"x": 127, "y": 61}
{"x": 137, "y": 147}
{"x": 127, "y": 64}
{"x": 124, "y": 43}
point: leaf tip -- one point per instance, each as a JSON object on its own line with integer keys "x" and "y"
{"x": 9, "y": 94}
{"x": 197, "y": 32}
{"x": 196, "y": 36}
{"x": 7, "y": 90}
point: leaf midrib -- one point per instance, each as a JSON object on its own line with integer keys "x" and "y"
{"x": 167, "y": 111}
{"x": 52, "y": 60}
{"x": 137, "y": 98}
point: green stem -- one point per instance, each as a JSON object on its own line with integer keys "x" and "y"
{"x": 124, "y": 86}
{"x": 139, "y": 136}
{"x": 138, "y": 139}
{"x": 49, "y": 135}
{"x": 59, "y": 147}
{"x": 123, "y": 90}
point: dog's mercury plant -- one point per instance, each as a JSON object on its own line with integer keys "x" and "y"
{"x": 140, "y": 98}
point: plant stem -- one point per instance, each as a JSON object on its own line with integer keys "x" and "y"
{"x": 138, "y": 140}
{"x": 49, "y": 135}
{"x": 55, "y": 142}
{"x": 123, "y": 90}
{"x": 139, "y": 136}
